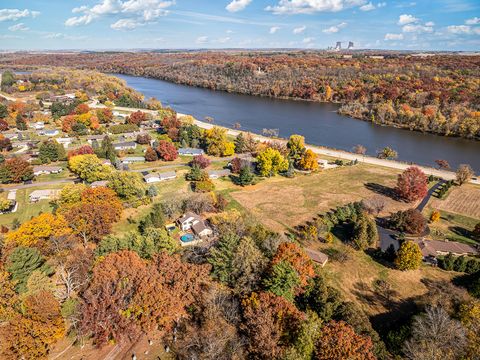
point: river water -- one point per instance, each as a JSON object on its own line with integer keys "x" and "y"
{"x": 318, "y": 122}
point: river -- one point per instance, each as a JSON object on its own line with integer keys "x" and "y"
{"x": 318, "y": 122}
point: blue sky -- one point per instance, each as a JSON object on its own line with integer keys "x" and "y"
{"x": 128, "y": 24}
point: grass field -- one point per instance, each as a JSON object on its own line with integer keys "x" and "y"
{"x": 283, "y": 203}
{"x": 462, "y": 200}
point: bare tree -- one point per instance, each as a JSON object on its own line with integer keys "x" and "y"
{"x": 374, "y": 205}
{"x": 464, "y": 173}
{"x": 68, "y": 283}
{"x": 435, "y": 336}
{"x": 360, "y": 150}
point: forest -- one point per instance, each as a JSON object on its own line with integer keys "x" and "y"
{"x": 437, "y": 94}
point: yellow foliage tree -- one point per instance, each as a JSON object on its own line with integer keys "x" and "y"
{"x": 435, "y": 216}
{"x": 309, "y": 161}
{"x": 38, "y": 230}
{"x": 409, "y": 256}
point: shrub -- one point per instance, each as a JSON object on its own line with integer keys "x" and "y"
{"x": 201, "y": 161}
{"x": 203, "y": 186}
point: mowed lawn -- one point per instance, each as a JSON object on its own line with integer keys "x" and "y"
{"x": 282, "y": 203}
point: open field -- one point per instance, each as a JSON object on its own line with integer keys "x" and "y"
{"x": 464, "y": 200}
{"x": 282, "y": 203}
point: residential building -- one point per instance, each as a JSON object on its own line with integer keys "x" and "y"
{"x": 46, "y": 169}
{"x": 65, "y": 141}
{"x": 92, "y": 138}
{"x": 128, "y": 145}
{"x": 100, "y": 183}
{"x": 39, "y": 125}
{"x": 190, "y": 152}
{"x": 53, "y": 132}
{"x": 38, "y": 195}
{"x": 317, "y": 257}
{"x": 435, "y": 248}
{"x": 157, "y": 177}
{"x": 133, "y": 159}
{"x": 192, "y": 221}
{"x": 215, "y": 174}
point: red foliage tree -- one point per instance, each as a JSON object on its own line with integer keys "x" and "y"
{"x": 18, "y": 170}
{"x": 3, "y": 125}
{"x": 412, "y": 184}
{"x": 410, "y": 221}
{"x": 166, "y": 150}
{"x": 298, "y": 259}
{"x": 136, "y": 118}
{"x": 338, "y": 340}
{"x": 82, "y": 150}
{"x": 269, "y": 320}
{"x": 236, "y": 164}
{"x": 201, "y": 161}
{"x": 143, "y": 139}
{"x": 171, "y": 126}
{"x": 5, "y": 143}
{"x": 82, "y": 109}
{"x": 151, "y": 154}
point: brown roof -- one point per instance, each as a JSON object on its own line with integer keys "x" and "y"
{"x": 317, "y": 256}
{"x": 434, "y": 247}
{"x": 199, "y": 226}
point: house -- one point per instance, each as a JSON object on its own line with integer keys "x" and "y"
{"x": 190, "y": 152}
{"x": 67, "y": 98}
{"x": 156, "y": 177}
{"x": 120, "y": 115}
{"x": 215, "y": 174}
{"x": 434, "y": 248}
{"x": 49, "y": 132}
{"x": 11, "y": 136}
{"x": 106, "y": 162}
{"x": 92, "y": 138}
{"x": 129, "y": 145}
{"x": 38, "y": 195}
{"x": 317, "y": 257}
{"x": 192, "y": 221}
{"x": 65, "y": 141}
{"x": 133, "y": 159}
{"x": 39, "y": 125}
{"x": 100, "y": 183}
{"x": 46, "y": 169}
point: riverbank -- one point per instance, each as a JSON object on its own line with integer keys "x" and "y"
{"x": 344, "y": 155}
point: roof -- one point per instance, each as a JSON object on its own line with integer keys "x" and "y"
{"x": 46, "y": 168}
{"x": 189, "y": 215}
{"x": 200, "y": 226}
{"x": 95, "y": 137}
{"x": 40, "y": 193}
{"x": 433, "y": 247}
{"x": 126, "y": 143}
{"x": 167, "y": 174}
{"x": 134, "y": 158}
{"x": 150, "y": 176}
{"x": 223, "y": 172}
{"x": 317, "y": 256}
{"x": 192, "y": 151}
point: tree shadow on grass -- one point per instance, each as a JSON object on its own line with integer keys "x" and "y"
{"x": 458, "y": 230}
{"x": 382, "y": 190}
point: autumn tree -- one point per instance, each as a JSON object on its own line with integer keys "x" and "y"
{"x": 296, "y": 146}
{"x": 412, "y": 184}
{"x": 365, "y": 232}
{"x": 410, "y": 221}
{"x": 201, "y": 161}
{"x": 269, "y": 323}
{"x": 151, "y": 154}
{"x": 82, "y": 150}
{"x": 128, "y": 186}
{"x": 144, "y": 138}
{"x": 15, "y": 170}
{"x": 338, "y": 340}
{"x": 387, "y": 153}
{"x": 409, "y": 256}
{"x": 464, "y": 174}
{"x": 5, "y": 143}
{"x": 308, "y": 161}
{"x": 442, "y": 164}
{"x": 217, "y": 143}
{"x": 89, "y": 167}
{"x": 166, "y": 150}
{"x": 104, "y": 115}
{"x": 38, "y": 231}
{"x": 271, "y": 162}
{"x": 435, "y": 216}
{"x": 51, "y": 150}
{"x": 137, "y": 118}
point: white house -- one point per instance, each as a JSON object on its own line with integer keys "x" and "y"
{"x": 38, "y": 195}
{"x": 54, "y": 132}
{"x": 46, "y": 169}
{"x": 128, "y": 145}
{"x": 39, "y": 125}
{"x": 190, "y": 152}
{"x": 157, "y": 177}
{"x": 133, "y": 159}
{"x": 92, "y": 138}
{"x": 194, "y": 222}
{"x": 215, "y": 174}
{"x": 65, "y": 141}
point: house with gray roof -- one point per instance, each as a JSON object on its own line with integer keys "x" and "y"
{"x": 190, "y": 152}
{"x": 216, "y": 174}
{"x": 127, "y": 145}
{"x": 46, "y": 169}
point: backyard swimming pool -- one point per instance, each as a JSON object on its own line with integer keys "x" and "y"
{"x": 186, "y": 238}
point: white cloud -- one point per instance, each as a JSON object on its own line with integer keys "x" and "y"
{"x": 202, "y": 40}
{"x": 390, "y": 36}
{"x": 63, "y": 36}
{"x": 299, "y": 30}
{"x": 417, "y": 28}
{"x": 126, "y": 24}
{"x": 18, "y": 27}
{"x": 308, "y": 40}
{"x": 223, "y": 40}
{"x": 312, "y": 6}
{"x": 274, "y": 29}
{"x": 407, "y": 19}
{"x": 8, "y": 37}
{"x": 334, "y": 29}
{"x": 430, "y": 23}
{"x": 137, "y": 12}
{"x": 16, "y": 14}
{"x": 368, "y": 7}
{"x": 473, "y": 21}
{"x": 238, "y": 5}
{"x": 463, "y": 29}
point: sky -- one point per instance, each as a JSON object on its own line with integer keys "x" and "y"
{"x": 194, "y": 24}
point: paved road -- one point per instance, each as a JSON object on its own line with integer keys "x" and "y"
{"x": 430, "y": 192}
{"x": 36, "y": 184}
